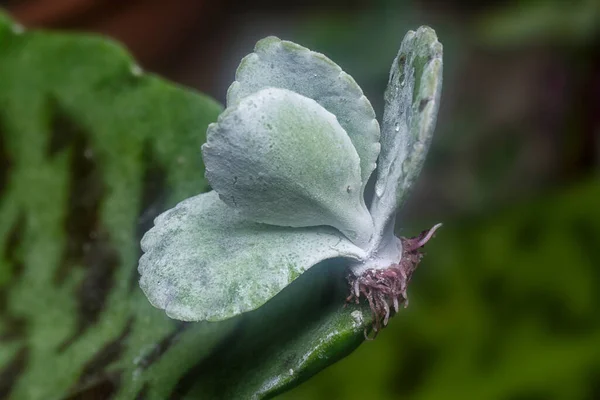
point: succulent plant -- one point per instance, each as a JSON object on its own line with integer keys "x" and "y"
{"x": 290, "y": 160}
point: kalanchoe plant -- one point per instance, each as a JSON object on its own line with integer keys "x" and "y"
{"x": 289, "y": 161}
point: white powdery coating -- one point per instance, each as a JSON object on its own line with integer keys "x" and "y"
{"x": 287, "y": 65}
{"x": 387, "y": 252}
{"x": 203, "y": 261}
{"x": 282, "y": 159}
{"x": 411, "y": 104}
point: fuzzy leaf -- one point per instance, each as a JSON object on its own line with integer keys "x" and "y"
{"x": 282, "y": 159}
{"x": 203, "y": 261}
{"x": 411, "y": 104}
{"x": 287, "y": 65}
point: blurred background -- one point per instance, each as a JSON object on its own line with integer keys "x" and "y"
{"x": 506, "y": 304}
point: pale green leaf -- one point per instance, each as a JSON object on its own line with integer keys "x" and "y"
{"x": 282, "y": 159}
{"x": 411, "y": 104}
{"x": 283, "y": 64}
{"x": 203, "y": 261}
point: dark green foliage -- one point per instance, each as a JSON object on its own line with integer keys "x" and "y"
{"x": 91, "y": 150}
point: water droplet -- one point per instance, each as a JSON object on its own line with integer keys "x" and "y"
{"x": 397, "y": 127}
{"x": 402, "y": 83}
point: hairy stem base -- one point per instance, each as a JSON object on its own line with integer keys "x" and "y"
{"x": 385, "y": 289}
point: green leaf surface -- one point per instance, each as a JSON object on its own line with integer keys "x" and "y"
{"x": 282, "y": 64}
{"x": 91, "y": 150}
{"x": 202, "y": 261}
{"x": 411, "y": 104}
{"x": 282, "y": 159}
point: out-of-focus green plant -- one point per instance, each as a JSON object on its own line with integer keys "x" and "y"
{"x": 554, "y": 21}
{"x": 91, "y": 150}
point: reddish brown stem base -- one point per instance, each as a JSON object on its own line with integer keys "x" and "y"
{"x": 385, "y": 289}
